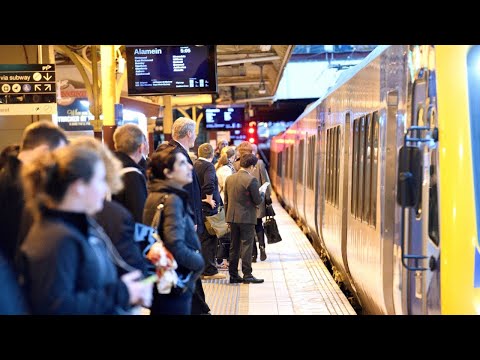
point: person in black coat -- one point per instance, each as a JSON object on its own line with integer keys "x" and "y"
{"x": 169, "y": 171}
{"x": 211, "y": 201}
{"x": 38, "y": 138}
{"x": 131, "y": 146}
{"x": 183, "y": 138}
{"x": 66, "y": 257}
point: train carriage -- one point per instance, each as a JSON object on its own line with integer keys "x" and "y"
{"x": 372, "y": 171}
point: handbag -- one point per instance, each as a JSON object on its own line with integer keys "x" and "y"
{"x": 271, "y": 230}
{"x": 216, "y": 224}
{"x": 269, "y": 210}
{"x": 223, "y": 247}
{"x": 165, "y": 265}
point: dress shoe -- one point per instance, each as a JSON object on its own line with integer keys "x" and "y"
{"x": 263, "y": 255}
{"x": 252, "y": 280}
{"x": 254, "y": 259}
{"x": 236, "y": 280}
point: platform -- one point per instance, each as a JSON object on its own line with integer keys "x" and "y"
{"x": 296, "y": 281}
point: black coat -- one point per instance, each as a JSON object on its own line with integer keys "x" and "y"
{"x": 11, "y": 207}
{"x": 208, "y": 180}
{"x": 12, "y": 298}
{"x": 67, "y": 267}
{"x": 134, "y": 193}
{"x": 193, "y": 190}
{"x": 176, "y": 227}
{"x": 119, "y": 225}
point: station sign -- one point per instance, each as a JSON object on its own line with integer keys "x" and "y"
{"x": 27, "y": 89}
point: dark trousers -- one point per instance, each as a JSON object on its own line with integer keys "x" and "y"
{"x": 171, "y": 304}
{"x": 242, "y": 239}
{"x": 199, "y": 305}
{"x": 209, "y": 249}
{"x": 260, "y": 236}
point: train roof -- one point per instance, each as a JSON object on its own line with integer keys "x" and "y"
{"x": 345, "y": 76}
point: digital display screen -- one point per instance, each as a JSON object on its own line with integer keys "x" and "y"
{"x": 173, "y": 69}
{"x": 228, "y": 118}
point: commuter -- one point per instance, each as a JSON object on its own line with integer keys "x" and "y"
{"x": 38, "y": 138}
{"x": 114, "y": 218}
{"x": 12, "y": 297}
{"x": 224, "y": 169}
{"x": 183, "y": 138}
{"x": 131, "y": 147}
{"x": 242, "y": 193}
{"x": 218, "y": 152}
{"x": 211, "y": 201}
{"x": 243, "y": 148}
{"x": 260, "y": 173}
{"x": 66, "y": 258}
{"x": 8, "y": 151}
{"x": 169, "y": 171}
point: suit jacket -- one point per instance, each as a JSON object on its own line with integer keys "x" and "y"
{"x": 241, "y": 198}
{"x": 193, "y": 190}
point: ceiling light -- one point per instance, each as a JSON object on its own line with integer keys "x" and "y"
{"x": 265, "y": 47}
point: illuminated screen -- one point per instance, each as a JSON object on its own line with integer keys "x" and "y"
{"x": 180, "y": 69}
{"x": 227, "y": 118}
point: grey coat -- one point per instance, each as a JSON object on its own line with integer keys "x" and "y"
{"x": 241, "y": 198}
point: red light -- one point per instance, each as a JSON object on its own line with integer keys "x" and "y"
{"x": 252, "y": 140}
{"x": 251, "y": 130}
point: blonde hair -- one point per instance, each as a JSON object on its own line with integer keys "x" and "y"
{"x": 227, "y": 154}
{"x": 113, "y": 166}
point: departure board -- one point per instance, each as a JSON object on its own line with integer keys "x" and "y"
{"x": 161, "y": 70}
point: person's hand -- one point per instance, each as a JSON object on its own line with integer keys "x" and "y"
{"x": 140, "y": 292}
{"x": 211, "y": 202}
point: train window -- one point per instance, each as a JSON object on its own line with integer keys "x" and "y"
{"x": 337, "y": 177}
{"x": 433, "y": 230}
{"x": 327, "y": 167}
{"x": 361, "y": 161}
{"x": 290, "y": 162}
{"x": 279, "y": 164}
{"x": 313, "y": 143}
{"x": 353, "y": 204}
{"x": 374, "y": 160}
{"x": 367, "y": 170}
{"x": 301, "y": 156}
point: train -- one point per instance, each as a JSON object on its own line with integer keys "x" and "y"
{"x": 383, "y": 174}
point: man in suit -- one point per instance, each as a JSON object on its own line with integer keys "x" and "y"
{"x": 183, "y": 138}
{"x": 242, "y": 196}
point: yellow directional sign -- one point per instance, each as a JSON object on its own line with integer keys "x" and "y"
{"x": 27, "y": 89}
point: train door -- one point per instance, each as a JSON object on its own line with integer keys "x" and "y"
{"x": 417, "y": 176}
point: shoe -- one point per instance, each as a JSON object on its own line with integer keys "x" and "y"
{"x": 252, "y": 280}
{"x": 263, "y": 255}
{"x": 236, "y": 280}
{"x": 254, "y": 259}
{"x": 214, "y": 276}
